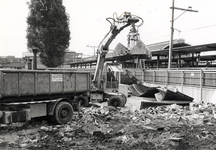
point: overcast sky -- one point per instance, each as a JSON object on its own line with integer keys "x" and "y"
{"x": 88, "y": 23}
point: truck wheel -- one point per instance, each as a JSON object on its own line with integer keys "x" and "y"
{"x": 63, "y": 112}
{"x": 125, "y": 98}
{"x": 116, "y": 101}
{"x": 84, "y": 101}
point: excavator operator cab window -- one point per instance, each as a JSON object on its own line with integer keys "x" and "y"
{"x": 110, "y": 75}
{"x": 112, "y": 80}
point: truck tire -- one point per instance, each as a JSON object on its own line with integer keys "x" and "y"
{"x": 84, "y": 101}
{"x": 63, "y": 112}
{"x": 125, "y": 98}
{"x": 116, "y": 101}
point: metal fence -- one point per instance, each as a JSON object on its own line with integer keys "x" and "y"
{"x": 198, "y": 78}
{"x": 205, "y": 78}
{"x": 199, "y": 84}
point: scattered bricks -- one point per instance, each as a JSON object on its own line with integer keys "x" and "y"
{"x": 98, "y": 134}
{"x": 150, "y": 128}
{"x": 23, "y": 145}
{"x": 175, "y": 141}
{"x": 205, "y": 120}
{"x": 60, "y": 134}
{"x": 76, "y": 116}
{"x": 210, "y": 124}
{"x": 1, "y": 141}
{"x": 186, "y": 108}
{"x": 160, "y": 128}
{"x": 44, "y": 128}
{"x": 184, "y": 120}
{"x": 44, "y": 137}
{"x": 65, "y": 139}
{"x": 44, "y": 122}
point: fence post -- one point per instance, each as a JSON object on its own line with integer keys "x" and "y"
{"x": 182, "y": 80}
{"x": 201, "y": 84}
{"x": 166, "y": 80}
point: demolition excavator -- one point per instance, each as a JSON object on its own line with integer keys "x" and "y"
{"x": 101, "y": 87}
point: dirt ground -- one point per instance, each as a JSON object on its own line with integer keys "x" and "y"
{"x": 169, "y": 127}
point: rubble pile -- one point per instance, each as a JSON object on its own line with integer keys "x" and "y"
{"x": 107, "y": 127}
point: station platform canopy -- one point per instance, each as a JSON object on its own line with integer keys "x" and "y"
{"x": 162, "y": 49}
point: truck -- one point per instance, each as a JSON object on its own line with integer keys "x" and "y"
{"x": 27, "y": 94}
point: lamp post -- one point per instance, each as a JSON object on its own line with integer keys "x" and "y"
{"x": 35, "y": 58}
{"x": 29, "y": 63}
{"x": 172, "y": 24}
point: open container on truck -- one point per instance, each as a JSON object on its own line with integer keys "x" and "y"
{"x": 25, "y": 94}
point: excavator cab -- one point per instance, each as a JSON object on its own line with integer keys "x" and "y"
{"x": 110, "y": 89}
{"x": 111, "y": 76}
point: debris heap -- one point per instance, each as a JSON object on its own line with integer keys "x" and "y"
{"x": 107, "y": 127}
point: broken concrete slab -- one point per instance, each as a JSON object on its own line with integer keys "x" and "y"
{"x": 174, "y": 95}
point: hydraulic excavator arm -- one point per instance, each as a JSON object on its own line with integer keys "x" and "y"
{"x": 117, "y": 25}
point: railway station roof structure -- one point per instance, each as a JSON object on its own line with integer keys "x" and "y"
{"x": 180, "y": 51}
